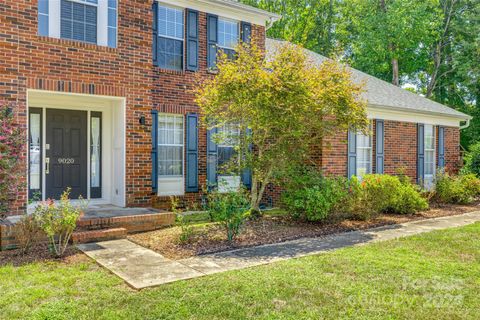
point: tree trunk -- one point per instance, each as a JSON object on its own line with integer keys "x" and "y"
{"x": 395, "y": 77}
{"x": 439, "y": 46}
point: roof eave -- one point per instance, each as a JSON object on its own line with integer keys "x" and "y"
{"x": 462, "y": 116}
{"x": 272, "y": 17}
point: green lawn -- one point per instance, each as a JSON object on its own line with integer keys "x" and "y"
{"x": 434, "y": 276}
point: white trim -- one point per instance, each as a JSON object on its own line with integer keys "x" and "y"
{"x": 113, "y": 136}
{"x": 231, "y": 10}
{"x": 375, "y": 112}
{"x": 54, "y": 20}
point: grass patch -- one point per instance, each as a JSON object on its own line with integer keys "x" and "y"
{"x": 430, "y": 276}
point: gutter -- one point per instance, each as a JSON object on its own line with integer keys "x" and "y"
{"x": 271, "y": 16}
{"x": 466, "y": 125}
{"x": 462, "y": 117}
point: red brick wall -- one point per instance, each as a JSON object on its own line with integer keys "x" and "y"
{"x": 28, "y": 61}
{"x": 401, "y": 148}
{"x": 453, "y": 161}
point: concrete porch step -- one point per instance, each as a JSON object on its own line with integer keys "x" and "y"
{"x": 99, "y": 235}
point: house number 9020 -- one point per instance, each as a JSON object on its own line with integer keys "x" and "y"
{"x": 66, "y": 160}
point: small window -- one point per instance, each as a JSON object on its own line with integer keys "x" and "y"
{"x": 43, "y": 17}
{"x": 35, "y": 153}
{"x": 364, "y": 155}
{"x": 170, "y": 37}
{"x": 112, "y": 23}
{"x": 170, "y": 145}
{"x": 429, "y": 151}
{"x": 228, "y": 35}
{"x": 79, "y": 20}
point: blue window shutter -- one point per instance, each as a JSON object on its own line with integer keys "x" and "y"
{"x": 379, "y": 145}
{"x": 212, "y": 159}
{"x": 212, "y": 40}
{"x": 192, "y": 153}
{"x": 441, "y": 147}
{"x": 247, "y": 172}
{"x": 352, "y": 153}
{"x": 246, "y": 32}
{"x": 155, "y": 33}
{"x": 192, "y": 40}
{"x": 154, "y": 151}
{"x": 420, "y": 153}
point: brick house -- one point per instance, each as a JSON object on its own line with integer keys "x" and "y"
{"x": 103, "y": 89}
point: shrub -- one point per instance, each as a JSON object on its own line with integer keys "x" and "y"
{"x": 380, "y": 193}
{"x": 315, "y": 202}
{"x": 58, "y": 221}
{"x": 185, "y": 227}
{"x": 11, "y": 142}
{"x": 472, "y": 160}
{"x": 27, "y": 232}
{"x": 456, "y": 189}
{"x": 230, "y": 209}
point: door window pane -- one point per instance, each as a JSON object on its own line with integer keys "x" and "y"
{"x": 170, "y": 145}
{"x": 95, "y": 155}
{"x": 35, "y": 151}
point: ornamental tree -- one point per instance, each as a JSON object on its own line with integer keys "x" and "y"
{"x": 10, "y": 154}
{"x": 287, "y": 102}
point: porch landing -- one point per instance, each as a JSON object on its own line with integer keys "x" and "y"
{"x": 100, "y": 222}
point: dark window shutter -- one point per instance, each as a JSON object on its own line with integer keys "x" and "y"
{"x": 212, "y": 158}
{"x": 380, "y": 145}
{"x": 154, "y": 151}
{"x": 246, "y": 32}
{"x": 441, "y": 147}
{"x": 192, "y": 40}
{"x": 212, "y": 40}
{"x": 155, "y": 33}
{"x": 247, "y": 172}
{"x": 352, "y": 153}
{"x": 192, "y": 153}
{"x": 420, "y": 153}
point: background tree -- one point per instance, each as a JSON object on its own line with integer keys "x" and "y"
{"x": 431, "y": 47}
{"x": 287, "y": 102}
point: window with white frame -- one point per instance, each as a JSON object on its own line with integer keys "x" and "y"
{"x": 90, "y": 21}
{"x": 229, "y": 134}
{"x": 79, "y": 20}
{"x": 228, "y": 35}
{"x": 170, "y": 37}
{"x": 364, "y": 154}
{"x": 170, "y": 145}
{"x": 429, "y": 152}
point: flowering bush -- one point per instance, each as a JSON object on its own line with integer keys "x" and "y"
{"x": 10, "y": 154}
{"x": 58, "y": 221}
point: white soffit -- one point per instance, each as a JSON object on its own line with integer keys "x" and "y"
{"x": 227, "y": 9}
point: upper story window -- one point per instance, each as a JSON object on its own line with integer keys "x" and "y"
{"x": 91, "y": 21}
{"x": 170, "y": 37}
{"x": 228, "y": 35}
{"x": 79, "y": 20}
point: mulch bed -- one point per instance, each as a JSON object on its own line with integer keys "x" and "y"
{"x": 210, "y": 238}
{"x": 40, "y": 253}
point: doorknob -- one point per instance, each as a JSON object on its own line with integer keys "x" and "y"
{"x": 47, "y": 163}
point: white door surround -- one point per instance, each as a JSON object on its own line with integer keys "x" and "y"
{"x": 113, "y": 137}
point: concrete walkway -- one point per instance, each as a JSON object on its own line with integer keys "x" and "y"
{"x": 141, "y": 267}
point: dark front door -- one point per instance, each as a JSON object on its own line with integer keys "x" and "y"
{"x": 66, "y": 153}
